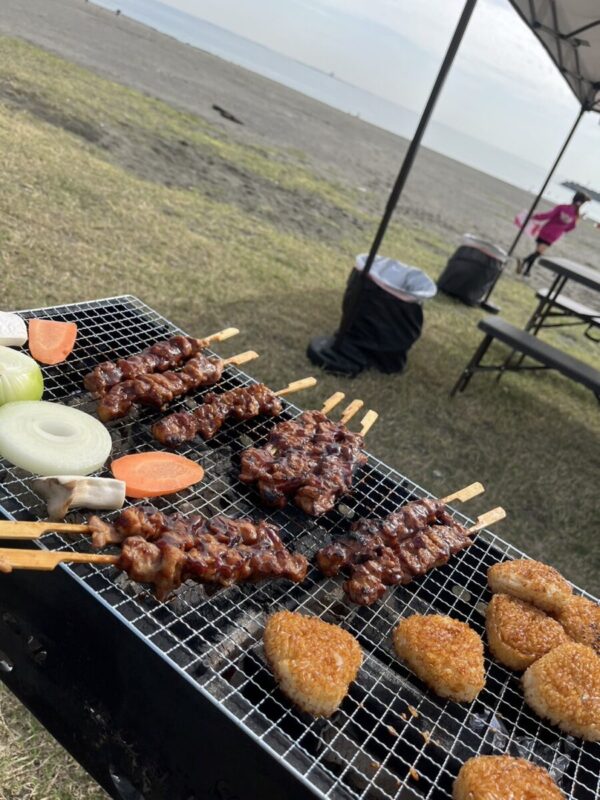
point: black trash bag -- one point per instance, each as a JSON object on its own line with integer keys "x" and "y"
{"x": 469, "y": 274}
{"x": 382, "y": 333}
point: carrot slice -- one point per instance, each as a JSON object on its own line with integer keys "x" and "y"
{"x": 50, "y": 341}
{"x": 155, "y": 473}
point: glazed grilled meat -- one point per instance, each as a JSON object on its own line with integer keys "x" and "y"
{"x": 244, "y": 402}
{"x": 159, "y": 389}
{"x": 394, "y": 550}
{"x": 165, "y": 550}
{"x": 157, "y": 358}
{"x": 310, "y": 460}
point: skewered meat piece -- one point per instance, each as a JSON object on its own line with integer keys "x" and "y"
{"x": 244, "y": 402}
{"x": 157, "y": 358}
{"x": 159, "y": 389}
{"x": 394, "y": 550}
{"x": 311, "y": 460}
{"x": 166, "y": 550}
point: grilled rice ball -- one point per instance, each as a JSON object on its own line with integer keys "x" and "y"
{"x": 564, "y": 687}
{"x": 504, "y": 778}
{"x": 314, "y": 662}
{"x": 519, "y": 633}
{"x": 532, "y": 581}
{"x": 444, "y": 653}
{"x": 581, "y": 620}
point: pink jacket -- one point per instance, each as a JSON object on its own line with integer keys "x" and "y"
{"x": 561, "y": 219}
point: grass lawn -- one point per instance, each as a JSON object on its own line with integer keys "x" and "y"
{"x": 104, "y": 191}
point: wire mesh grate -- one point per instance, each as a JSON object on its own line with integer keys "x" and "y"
{"x": 391, "y": 737}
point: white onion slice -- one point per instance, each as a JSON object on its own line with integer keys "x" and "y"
{"x": 13, "y": 331}
{"x": 50, "y": 439}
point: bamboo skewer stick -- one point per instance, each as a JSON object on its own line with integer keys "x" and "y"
{"x": 495, "y": 515}
{"x": 353, "y": 408}
{"x": 367, "y": 422}
{"x": 470, "y": 491}
{"x": 241, "y": 358}
{"x": 47, "y": 560}
{"x": 33, "y": 530}
{"x": 220, "y": 336}
{"x": 332, "y": 402}
{"x": 296, "y": 386}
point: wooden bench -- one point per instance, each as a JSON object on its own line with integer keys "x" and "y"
{"x": 566, "y": 307}
{"x": 547, "y": 356}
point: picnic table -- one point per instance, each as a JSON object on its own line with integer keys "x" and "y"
{"x": 553, "y": 305}
{"x": 556, "y": 309}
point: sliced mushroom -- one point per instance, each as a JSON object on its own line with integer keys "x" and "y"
{"x": 62, "y": 492}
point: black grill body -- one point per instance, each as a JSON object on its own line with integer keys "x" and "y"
{"x": 174, "y": 700}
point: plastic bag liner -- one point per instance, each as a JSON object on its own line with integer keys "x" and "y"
{"x": 472, "y": 270}
{"x": 388, "y": 321}
{"x": 406, "y": 283}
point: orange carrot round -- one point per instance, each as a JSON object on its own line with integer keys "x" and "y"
{"x": 155, "y": 473}
{"x": 51, "y": 341}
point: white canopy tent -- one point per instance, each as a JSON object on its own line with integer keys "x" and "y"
{"x": 569, "y": 30}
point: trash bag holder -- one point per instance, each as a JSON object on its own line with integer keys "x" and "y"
{"x": 387, "y": 319}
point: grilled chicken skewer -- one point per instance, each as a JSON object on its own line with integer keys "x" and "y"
{"x": 167, "y": 549}
{"x": 311, "y": 460}
{"x": 394, "y": 550}
{"x": 160, "y": 389}
{"x": 243, "y": 402}
{"x": 160, "y": 357}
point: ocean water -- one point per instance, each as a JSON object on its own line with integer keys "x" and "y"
{"x": 341, "y": 95}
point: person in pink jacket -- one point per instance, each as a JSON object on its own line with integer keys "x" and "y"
{"x": 559, "y": 220}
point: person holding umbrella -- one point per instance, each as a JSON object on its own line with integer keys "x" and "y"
{"x": 559, "y": 220}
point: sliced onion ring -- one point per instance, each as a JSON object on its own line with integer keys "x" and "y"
{"x": 50, "y": 439}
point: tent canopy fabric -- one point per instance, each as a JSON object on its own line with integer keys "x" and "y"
{"x": 570, "y": 32}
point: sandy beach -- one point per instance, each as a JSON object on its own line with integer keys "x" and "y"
{"x": 442, "y": 194}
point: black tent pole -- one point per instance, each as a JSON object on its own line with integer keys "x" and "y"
{"x": 412, "y": 152}
{"x": 582, "y": 110}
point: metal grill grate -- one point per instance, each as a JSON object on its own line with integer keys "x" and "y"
{"x": 391, "y": 737}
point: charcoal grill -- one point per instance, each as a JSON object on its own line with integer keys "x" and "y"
{"x": 174, "y": 700}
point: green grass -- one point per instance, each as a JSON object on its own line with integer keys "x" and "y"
{"x": 99, "y": 197}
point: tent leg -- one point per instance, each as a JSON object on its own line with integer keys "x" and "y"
{"x": 484, "y": 303}
{"x": 410, "y": 154}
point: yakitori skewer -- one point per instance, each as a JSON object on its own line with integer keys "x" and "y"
{"x": 241, "y": 403}
{"x": 166, "y": 549}
{"x": 310, "y": 460}
{"x": 402, "y": 546}
{"x": 159, "y": 357}
{"x": 160, "y": 389}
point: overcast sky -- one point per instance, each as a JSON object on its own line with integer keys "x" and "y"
{"x": 504, "y": 88}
